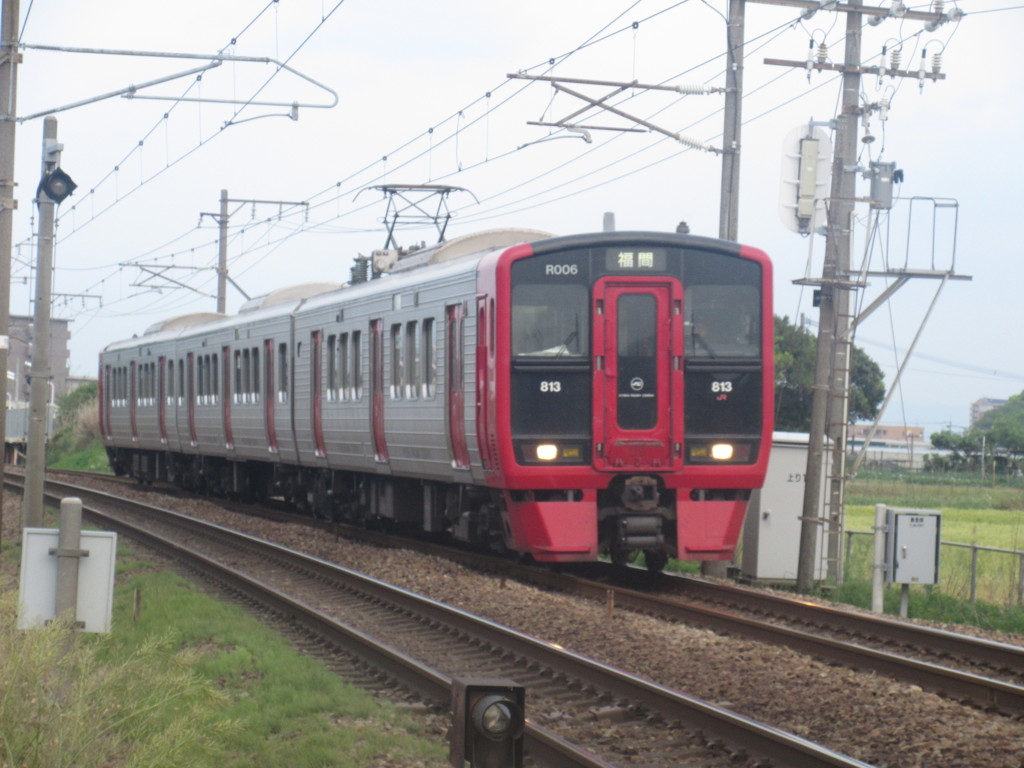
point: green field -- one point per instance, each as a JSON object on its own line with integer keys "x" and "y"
{"x": 972, "y": 514}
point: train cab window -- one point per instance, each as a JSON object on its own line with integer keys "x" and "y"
{"x": 722, "y": 321}
{"x": 550, "y": 321}
{"x": 721, "y": 307}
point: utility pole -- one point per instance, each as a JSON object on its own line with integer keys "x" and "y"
{"x": 223, "y": 218}
{"x": 222, "y": 255}
{"x": 728, "y": 221}
{"x": 9, "y": 56}
{"x": 830, "y": 397}
{"x": 47, "y": 200}
{"x": 729, "y": 205}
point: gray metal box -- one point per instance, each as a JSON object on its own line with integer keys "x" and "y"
{"x": 913, "y": 545}
{"x": 771, "y": 532}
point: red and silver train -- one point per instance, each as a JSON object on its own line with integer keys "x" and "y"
{"x": 561, "y": 397}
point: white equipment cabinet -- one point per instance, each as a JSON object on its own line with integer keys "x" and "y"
{"x": 771, "y": 533}
{"x": 913, "y": 545}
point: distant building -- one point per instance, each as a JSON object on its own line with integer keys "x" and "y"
{"x": 983, "y": 406}
{"x": 891, "y": 447}
{"x": 886, "y": 436}
{"x": 19, "y": 357}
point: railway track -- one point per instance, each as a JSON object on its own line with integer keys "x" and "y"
{"x": 978, "y": 671}
{"x": 620, "y": 718}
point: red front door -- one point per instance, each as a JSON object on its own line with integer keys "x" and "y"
{"x": 637, "y": 373}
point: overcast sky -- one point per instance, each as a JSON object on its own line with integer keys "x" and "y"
{"x": 423, "y": 96}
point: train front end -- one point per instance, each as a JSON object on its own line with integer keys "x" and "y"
{"x": 629, "y": 405}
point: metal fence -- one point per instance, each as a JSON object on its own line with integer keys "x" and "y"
{"x": 966, "y": 571}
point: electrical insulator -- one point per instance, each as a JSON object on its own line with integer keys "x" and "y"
{"x": 895, "y": 58}
{"x": 822, "y": 53}
{"x": 938, "y": 6}
{"x": 921, "y": 71}
{"x": 937, "y": 63}
{"x": 883, "y": 109}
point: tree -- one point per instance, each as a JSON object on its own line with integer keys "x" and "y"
{"x": 794, "y": 379}
{"x": 1003, "y": 427}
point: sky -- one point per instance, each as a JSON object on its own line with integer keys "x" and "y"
{"x": 412, "y": 92}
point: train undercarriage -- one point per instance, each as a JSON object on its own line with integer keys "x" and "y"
{"x": 635, "y": 514}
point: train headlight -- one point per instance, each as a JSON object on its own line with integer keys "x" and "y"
{"x": 551, "y": 451}
{"x": 722, "y": 451}
{"x": 547, "y": 451}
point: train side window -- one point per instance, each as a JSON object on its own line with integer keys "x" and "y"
{"x": 214, "y": 379}
{"x": 282, "y": 373}
{"x": 357, "y": 365}
{"x": 246, "y": 376}
{"x": 332, "y": 367}
{"x": 550, "y": 321}
{"x": 412, "y": 358}
{"x": 429, "y": 359}
{"x": 344, "y": 368}
{"x": 181, "y": 383}
{"x": 397, "y": 363}
{"x": 170, "y": 382}
{"x": 255, "y": 374}
{"x": 237, "y": 396}
{"x": 204, "y": 376}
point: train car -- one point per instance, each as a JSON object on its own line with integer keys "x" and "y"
{"x": 559, "y": 397}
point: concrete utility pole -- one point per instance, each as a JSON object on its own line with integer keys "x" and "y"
{"x": 222, "y": 255}
{"x": 728, "y": 220}
{"x": 9, "y": 57}
{"x": 223, "y": 218}
{"x": 39, "y": 376}
{"x": 830, "y": 401}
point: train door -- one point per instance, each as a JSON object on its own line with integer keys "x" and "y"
{"x": 226, "y": 392}
{"x": 270, "y": 394}
{"x": 317, "y": 392}
{"x": 380, "y": 443}
{"x": 637, "y": 387}
{"x": 454, "y": 372}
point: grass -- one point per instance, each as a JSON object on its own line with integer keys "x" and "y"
{"x": 193, "y": 682}
{"x": 92, "y": 458}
